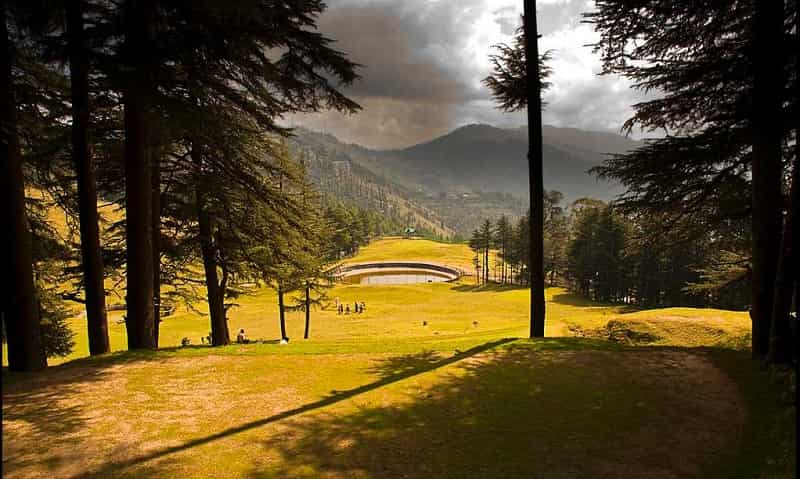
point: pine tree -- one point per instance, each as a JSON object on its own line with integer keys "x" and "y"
{"x": 136, "y": 55}
{"x": 485, "y": 237}
{"x": 476, "y": 245}
{"x": 20, "y": 306}
{"x": 536, "y": 178}
{"x": 503, "y": 240}
{"x": 92, "y": 260}
{"x": 726, "y": 107}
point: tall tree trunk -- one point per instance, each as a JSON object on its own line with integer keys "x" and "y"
{"x": 766, "y": 169}
{"x": 20, "y": 307}
{"x": 505, "y": 255}
{"x": 281, "y": 312}
{"x": 92, "y": 259}
{"x": 156, "y": 201}
{"x": 308, "y": 310}
{"x": 795, "y": 265}
{"x": 535, "y": 178}
{"x": 781, "y": 346}
{"x": 486, "y": 265}
{"x": 780, "y": 340}
{"x": 138, "y": 177}
{"x": 216, "y": 299}
{"x": 795, "y": 212}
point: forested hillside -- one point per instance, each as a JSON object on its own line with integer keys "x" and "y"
{"x": 446, "y": 186}
{"x": 337, "y": 176}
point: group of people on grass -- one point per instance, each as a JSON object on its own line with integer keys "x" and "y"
{"x": 241, "y": 338}
{"x": 358, "y": 307}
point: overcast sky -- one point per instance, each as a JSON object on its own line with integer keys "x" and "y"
{"x": 423, "y": 61}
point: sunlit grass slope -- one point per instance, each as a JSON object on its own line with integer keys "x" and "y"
{"x": 438, "y": 316}
{"x": 416, "y": 249}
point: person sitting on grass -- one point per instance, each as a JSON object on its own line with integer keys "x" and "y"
{"x": 241, "y": 338}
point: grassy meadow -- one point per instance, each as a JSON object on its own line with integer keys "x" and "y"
{"x": 430, "y": 381}
{"x": 459, "y": 314}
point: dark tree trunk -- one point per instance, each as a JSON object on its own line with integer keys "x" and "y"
{"x": 281, "y": 313}
{"x": 20, "y": 308}
{"x": 780, "y": 341}
{"x": 223, "y": 288}
{"x": 308, "y": 311}
{"x": 795, "y": 212}
{"x": 766, "y": 169}
{"x": 486, "y": 265}
{"x": 503, "y": 263}
{"x": 156, "y": 181}
{"x": 92, "y": 260}
{"x": 535, "y": 179}
{"x": 138, "y": 177}
{"x": 781, "y": 346}
{"x": 216, "y": 295}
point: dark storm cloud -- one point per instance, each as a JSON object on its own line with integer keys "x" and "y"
{"x": 384, "y": 123}
{"x": 598, "y": 105}
{"x": 424, "y": 61}
{"x": 405, "y": 47}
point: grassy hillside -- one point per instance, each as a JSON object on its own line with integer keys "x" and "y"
{"x": 414, "y": 249}
{"x": 333, "y": 172}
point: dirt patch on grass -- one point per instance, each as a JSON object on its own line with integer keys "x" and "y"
{"x": 699, "y": 403}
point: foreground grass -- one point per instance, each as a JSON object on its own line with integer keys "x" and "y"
{"x": 506, "y": 408}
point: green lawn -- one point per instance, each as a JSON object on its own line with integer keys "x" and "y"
{"x": 428, "y": 382}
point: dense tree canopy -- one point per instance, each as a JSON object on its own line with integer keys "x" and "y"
{"x": 724, "y": 87}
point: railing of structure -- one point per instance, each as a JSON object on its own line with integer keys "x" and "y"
{"x": 345, "y": 270}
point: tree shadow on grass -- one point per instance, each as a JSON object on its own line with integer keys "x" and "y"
{"x": 507, "y": 414}
{"x": 487, "y": 287}
{"x": 50, "y": 407}
{"x": 405, "y": 364}
{"x": 574, "y": 299}
{"x": 390, "y": 374}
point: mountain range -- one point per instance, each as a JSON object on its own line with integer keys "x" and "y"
{"x": 479, "y": 170}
